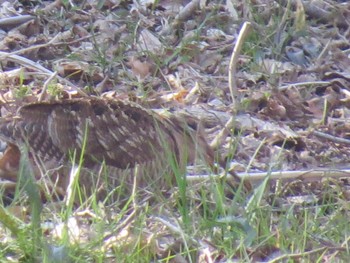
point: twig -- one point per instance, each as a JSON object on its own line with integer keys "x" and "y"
{"x": 73, "y": 179}
{"x": 306, "y": 254}
{"x": 331, "y": 137}
{"x": 11, "y": 22}
{"x": 135, "y": 186}
{"x": 216, "y": 142}
{"x": 306, "y": 83}
{"x": 121, "y": 225}
{"x": 46, "y": 84}
{"x": 176, "y": 229}
{"x": 233, "y": 62}
{"x": 51, "y": 43}
{"x": 35, "y": 66}
{"x": 232, "y": 84}
{"x": 281, "y": 175}
{"x": 343, "y": 247}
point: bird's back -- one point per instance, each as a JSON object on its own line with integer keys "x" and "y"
{"x": 124, "y": 137}
{"x": 121, "y": 134}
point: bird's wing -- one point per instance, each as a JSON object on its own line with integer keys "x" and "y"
{"x": 128, "y": 134}
{"x": 120, "y": 133}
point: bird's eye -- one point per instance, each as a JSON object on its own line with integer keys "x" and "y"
{"x": 75, "y": 107}
{"x": 99, "y": 110}
{"x": 134, "y": 115}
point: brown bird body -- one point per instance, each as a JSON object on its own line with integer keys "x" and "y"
{"x": 122, "y": 135}
{"x": 119, "y": 133}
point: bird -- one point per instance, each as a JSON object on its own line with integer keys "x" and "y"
{"x": 117, "y": 134}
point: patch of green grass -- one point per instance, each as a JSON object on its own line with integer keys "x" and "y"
{"x": 236, "y": 230}
{"x": 22, "y": 91}
{"x": 54, "y": 89}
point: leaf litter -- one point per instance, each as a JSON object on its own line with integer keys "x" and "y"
{"x": 292, "y": 78}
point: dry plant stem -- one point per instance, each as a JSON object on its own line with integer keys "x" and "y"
{"x": 121, "y": 225}
{"x": 15, "y": 21}
{"x": 48, "y": 44}
{"x": 73, "y": 178}
{"x": 208, "y": 255}
{"x": 179, "y": 231}
{"x": 220, "y": 137}
{"x": 343, "y": 247}
{"x": 24, "y": 62}
{"x": 331, "y": 137}
{"x": 307, "y": 83}
{"x": 176, "y": 230}
{"x": 23, "y": 50}
{"x": 324, "y": 50}
{"x": 7, "y": 184}
{"x": 30, "y": 64}
{"x": 46, "y": 84}
{"x": 165, "y": 78}
{"x": 282, "y": 175}
{"x": 233, "y": 62}
{"x": 299, "y": 255}
{"x": 135, "y": 187}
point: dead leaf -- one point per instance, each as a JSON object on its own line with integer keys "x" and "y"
{"x": 140, "y": 69}
{"x": 149, "y": 42}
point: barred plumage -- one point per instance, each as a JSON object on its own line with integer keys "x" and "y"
{"x": 114, "y": 131}
{"x": 121, "y": 134}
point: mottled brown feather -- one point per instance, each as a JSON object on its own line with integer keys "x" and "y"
{"x": 120, "y": 134}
